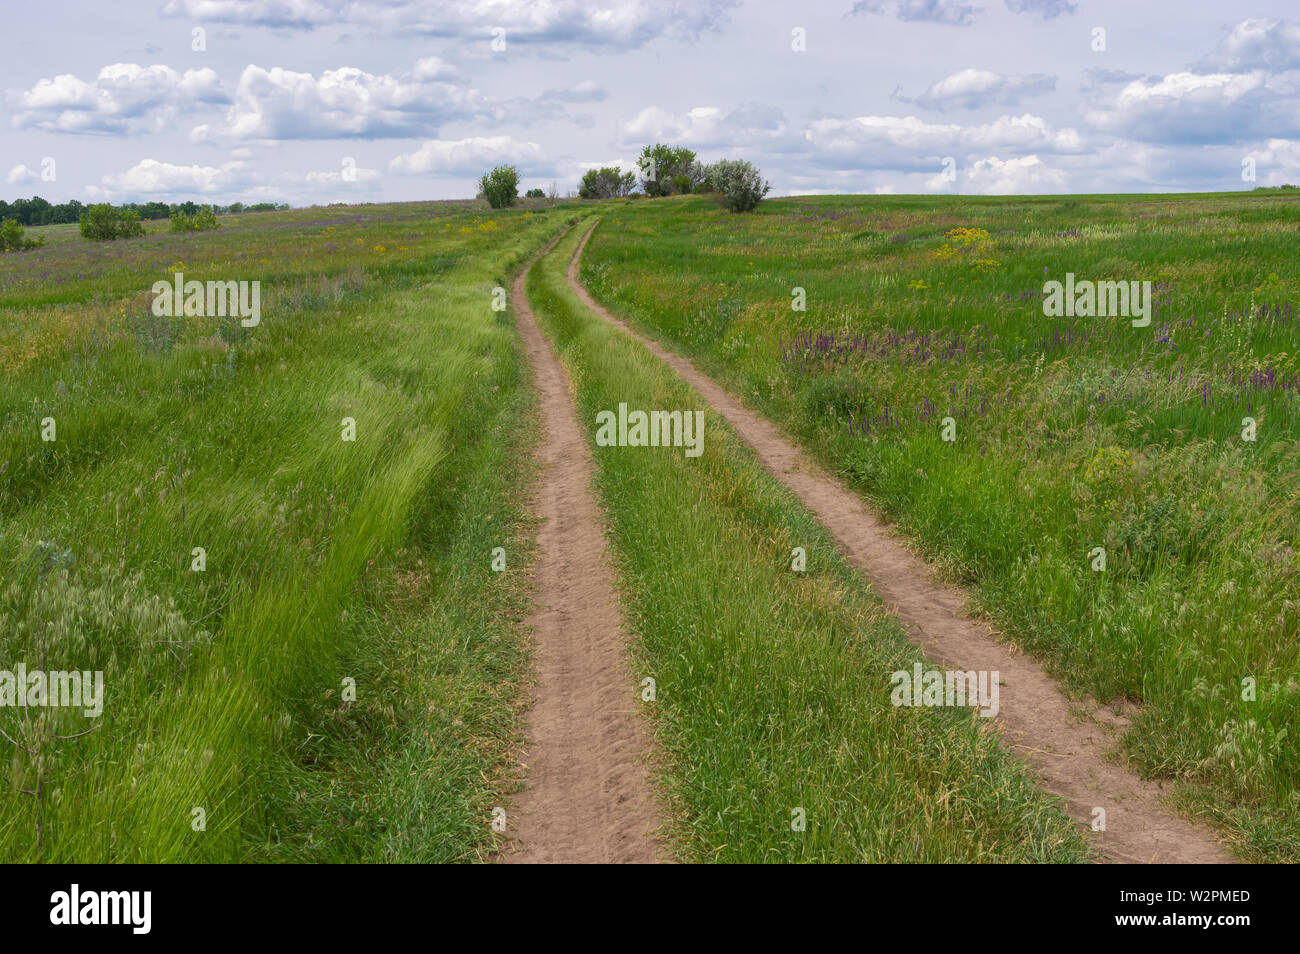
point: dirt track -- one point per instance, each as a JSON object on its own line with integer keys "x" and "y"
{"x": 1065, "y": 743}
{"x": 586, "y": 796}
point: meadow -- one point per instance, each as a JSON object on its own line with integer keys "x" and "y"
{"x": 309, "y": 654}
{"x": 339, "y": 676}
{"x": 1072, "y": 435}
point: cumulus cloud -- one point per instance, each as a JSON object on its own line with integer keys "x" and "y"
{"x": 344, "y": 103}
{"x": 123, "y": 98}
{"x": 1259, "y": 44}
{"x": 293, "y": 14}
{"x": 1028, "y": 174}
{"x": 709, "y": 127}
{"x": 598, "y": 24}
{"x": 951, "y": 12}
{"x": 972, "y": 89}
{"x": 1199, "y": 108}
{"x": 464, "y": 157}
{"x": 348, "y": 177}
{"x": 149, "y": 177}
{"x": 1278, "y": 162}
{"x": 911, "y": 144}
{"x": 20, "y": 174}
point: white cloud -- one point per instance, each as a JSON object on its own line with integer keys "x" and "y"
{"x": 994, "y": 176}
{"x": 273, "y": 13}
{"x": 599, "y": 24}
{"x": 349, "y": 177}
{"x": 123, "y": 98}
{"x": 1259, "y": 44}
{"x": 1192, "y": 107}
{"x": 344, "y": 103}
{"x": 154, "y": 178}
{"x": 20, "y": 174}
{"x": 973, "y": 88}
{"x": 908, "y": 143}
{"x": 465, "y": 157}
{"x": 706, "y": 127}
{"x": 1278, "y": 162}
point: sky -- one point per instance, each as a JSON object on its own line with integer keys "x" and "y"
{"x": 318, "y": 101}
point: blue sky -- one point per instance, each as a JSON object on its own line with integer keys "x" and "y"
{"x": 317, "y": 101}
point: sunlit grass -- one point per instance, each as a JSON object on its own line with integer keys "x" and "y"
{"x": 1202, "y": 573}
{"x": 224, "y": 698}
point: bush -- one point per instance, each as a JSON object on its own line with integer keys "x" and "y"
{"x": 500, "y": 186}
{"x": 667, "y": 169}
{"x": 103, "y": 223}
{"x": 607, "y": 182}
{"x": 742, "y": 186}
{"x": 201, "y": 221}
{"x": 11, "y": 238}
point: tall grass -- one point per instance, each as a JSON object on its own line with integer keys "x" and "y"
{"x": 1071, "y": 434}
{"x": 224, "y": 687}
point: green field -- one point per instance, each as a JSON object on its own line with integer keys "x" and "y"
{"x": 326, "y": 560}
{"x": 1071, "y": 434}
{"x": 230, "y": 731}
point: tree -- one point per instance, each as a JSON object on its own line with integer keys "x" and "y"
{"x": 742, "y": 186}
{"x": 103, "y": 223}
{"x": 607, "y": 182}
{"x": 11, "y": 238}
{"x": 668, "y": 169}
{"x": 534, "y": 194}
{"x": 201, "y": 221}
{"x": 500, "y": 186}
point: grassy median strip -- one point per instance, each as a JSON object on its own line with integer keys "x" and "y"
{"x": 778, "y": 740}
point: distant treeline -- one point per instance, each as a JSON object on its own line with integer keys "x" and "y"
{"x": 38, "y": 211}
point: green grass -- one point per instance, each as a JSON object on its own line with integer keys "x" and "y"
{"x": 326, "y": 560}
{"x": 1072, "y": 434}
{"x": 772, "y": 686}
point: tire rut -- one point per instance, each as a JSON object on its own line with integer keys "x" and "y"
{"x": 1068, "y": 744}
{"x": 586, "y": 795}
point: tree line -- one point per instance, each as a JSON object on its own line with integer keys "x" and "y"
{"x": 38, "y": 211}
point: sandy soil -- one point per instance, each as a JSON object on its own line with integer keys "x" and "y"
{"x": 586, "y": 795}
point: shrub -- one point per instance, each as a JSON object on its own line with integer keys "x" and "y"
{"x": 665, "y": 169}
{"x": 201, "y": 221}
{"x": 742, "y": 186}
{"x": 534, "y": 194}
{"x": 103, "y": 223}
{"x": 607, "y": 182}
{"x": 11, "y": 238}
{"x": 500, "y": 186}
